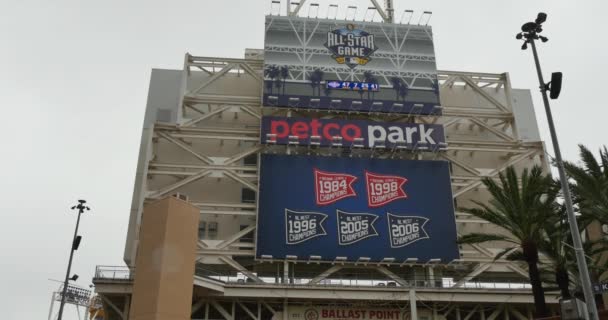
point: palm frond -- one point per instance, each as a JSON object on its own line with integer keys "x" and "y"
{"x": 474, "y": 238}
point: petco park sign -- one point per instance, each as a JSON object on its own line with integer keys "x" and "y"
{"x": 357, "y": 133}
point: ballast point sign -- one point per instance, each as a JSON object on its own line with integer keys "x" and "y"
{"x": 366, "y": 134}
{"x": 343, "y": 313}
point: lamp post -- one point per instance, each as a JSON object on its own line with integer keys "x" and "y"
{"x": 75, "y": 243}
{"x": 531, "y": 32}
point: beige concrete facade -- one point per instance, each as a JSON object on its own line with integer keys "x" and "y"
{"x": 165, "y": 261}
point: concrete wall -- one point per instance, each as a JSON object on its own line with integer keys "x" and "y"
{"x": 165, "y": 261}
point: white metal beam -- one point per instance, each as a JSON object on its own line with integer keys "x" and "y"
{"x": 297, "y": 9}
{"x": 214, "y": 77}
{"x": 235, "y": 237}
{"x": 221, "y": 310}
{"x": 392, "y": 276}
{"x": 478, "y": 270}
{"x": 325, "y": 274}
{"x": 237, "y": 266}
{"x": 186, "y": 148}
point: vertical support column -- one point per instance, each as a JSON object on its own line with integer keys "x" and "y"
{"x": 126, "y": 307}
{"x": 51, "y": 307}
{"x": 413, "y": 308}
{"x": 285, "y": 310}
{"x": 432, "y": 276}
{"x": 458, "y": 313}
{"x": 285, "y": 272}
{"x": 390, "y": 11}
{"x": 165, "y": 261}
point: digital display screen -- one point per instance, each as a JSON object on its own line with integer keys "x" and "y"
{"x": 352, "y": 85}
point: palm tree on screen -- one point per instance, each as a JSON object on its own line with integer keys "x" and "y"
{"x": 271, "y": 72}
{"x": 315, "y": 78}
{"x": 284, "y": 74}
{"x": 397, "y": 83}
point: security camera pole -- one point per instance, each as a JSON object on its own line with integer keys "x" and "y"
{"x": 75, "y": 242}
{"x": 530, "y": 33}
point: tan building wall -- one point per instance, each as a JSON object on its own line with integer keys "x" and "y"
{"x": 165, "y": 261}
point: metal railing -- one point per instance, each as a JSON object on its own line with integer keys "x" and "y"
{"x": 119, "y": 273}
{"x": 364, "y": 280}
{"x": 114, "y": 273}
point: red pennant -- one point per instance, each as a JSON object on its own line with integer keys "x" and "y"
{"x": 331, "y": 187}
{"x": 382, "y": 189}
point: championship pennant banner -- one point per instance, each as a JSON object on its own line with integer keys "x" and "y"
{"x": 278, "y": 130}
{"x": 355, "y": 207}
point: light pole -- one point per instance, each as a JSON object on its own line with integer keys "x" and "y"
{"x": 530, "y": 33}
{"x": 75, "y": 243}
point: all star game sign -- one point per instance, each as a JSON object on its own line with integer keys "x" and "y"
{"x": 350, "y": 46}
{"x": 349, "y": 66}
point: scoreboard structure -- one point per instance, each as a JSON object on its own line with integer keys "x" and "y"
{"x": 346, "y": 207}
{"x": 321, "y": 202}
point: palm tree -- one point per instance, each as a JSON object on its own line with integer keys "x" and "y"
{"x": 404, "y": 91}
{"x": 271, "y": 72}
{"x": 397, "y": 84}
{"x": 590, "y": 195}
{"x": 435, "y": 86}
{"x": 522, "y": 209}
{"x": 590, "y": 187}
{"x": 284, "y": 74}
{"x": 315, "y": 79}
{"x": 559, "y": 249}
{"x": 279, "y": 84}
{"x": 361, "y": 92}
{"x": 369, "y": 77}
{"x": 557, "y": 246}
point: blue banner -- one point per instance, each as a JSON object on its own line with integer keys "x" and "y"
{"x": 355, "y": 207}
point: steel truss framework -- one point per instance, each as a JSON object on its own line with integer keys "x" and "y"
{"x": 218, "y": 130}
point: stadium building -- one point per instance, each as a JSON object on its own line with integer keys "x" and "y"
{"x": 321, "y": 179}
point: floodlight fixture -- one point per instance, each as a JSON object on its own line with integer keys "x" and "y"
{"x": 332, "y": 11}
{"x": 519, "y": 36}
{"x": 555, "y": 86}
{"x": 543, "y": 39}
{"x": 541, "y": 18}
{"x": 74, "y": 277}
{"x": 529, "y": 27}
{"x": 406, "y": 17}
{"x": 76, "y": 242}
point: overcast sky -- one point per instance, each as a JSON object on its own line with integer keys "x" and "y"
{"x": 73, "y": 85}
